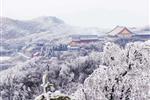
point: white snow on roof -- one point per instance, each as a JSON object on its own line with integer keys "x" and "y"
{"x": 84, "y": 37}
{"x": 116, "y": 30}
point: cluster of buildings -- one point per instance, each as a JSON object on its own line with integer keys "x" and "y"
{"x": 77, "y": 40}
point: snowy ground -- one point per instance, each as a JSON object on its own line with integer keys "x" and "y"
{"x": 4, "y": 58}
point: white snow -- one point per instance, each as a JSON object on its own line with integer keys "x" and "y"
{"x": 4, "y": 58}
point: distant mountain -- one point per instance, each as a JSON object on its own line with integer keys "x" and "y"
{"x": 15, "y": 28}
{"x": 48, "y": 20}
{"x": 12, "y": 29}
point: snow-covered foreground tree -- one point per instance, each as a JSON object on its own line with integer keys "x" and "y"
{"x": 119, "y": 74}
{"x": 47, "y": 93}
{"x": 125, "y": 76}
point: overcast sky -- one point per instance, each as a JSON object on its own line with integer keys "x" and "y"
{"x": 86, "y": 13}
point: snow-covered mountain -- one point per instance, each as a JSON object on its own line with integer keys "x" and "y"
{"x": 15, "y": 28}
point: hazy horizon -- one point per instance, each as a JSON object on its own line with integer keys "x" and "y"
{"x": 83, "y": 13}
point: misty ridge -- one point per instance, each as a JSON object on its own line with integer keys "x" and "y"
{"x": 47, "y": 59}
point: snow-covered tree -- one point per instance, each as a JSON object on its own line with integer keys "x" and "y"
{"x": 49, "y": 95}
{"x": 125, "y": 77}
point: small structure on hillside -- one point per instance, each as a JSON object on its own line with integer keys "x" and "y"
{"x": 83, "y": 39}
{"x": 73, "y": 48}
{"x": 120, "y": 31}
{"x": 77, "y": 40}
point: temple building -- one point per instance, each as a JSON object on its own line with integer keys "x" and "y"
{"x": 120, "y": 31}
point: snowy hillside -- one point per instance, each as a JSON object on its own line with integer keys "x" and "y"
{"x": 16, "y": 28}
